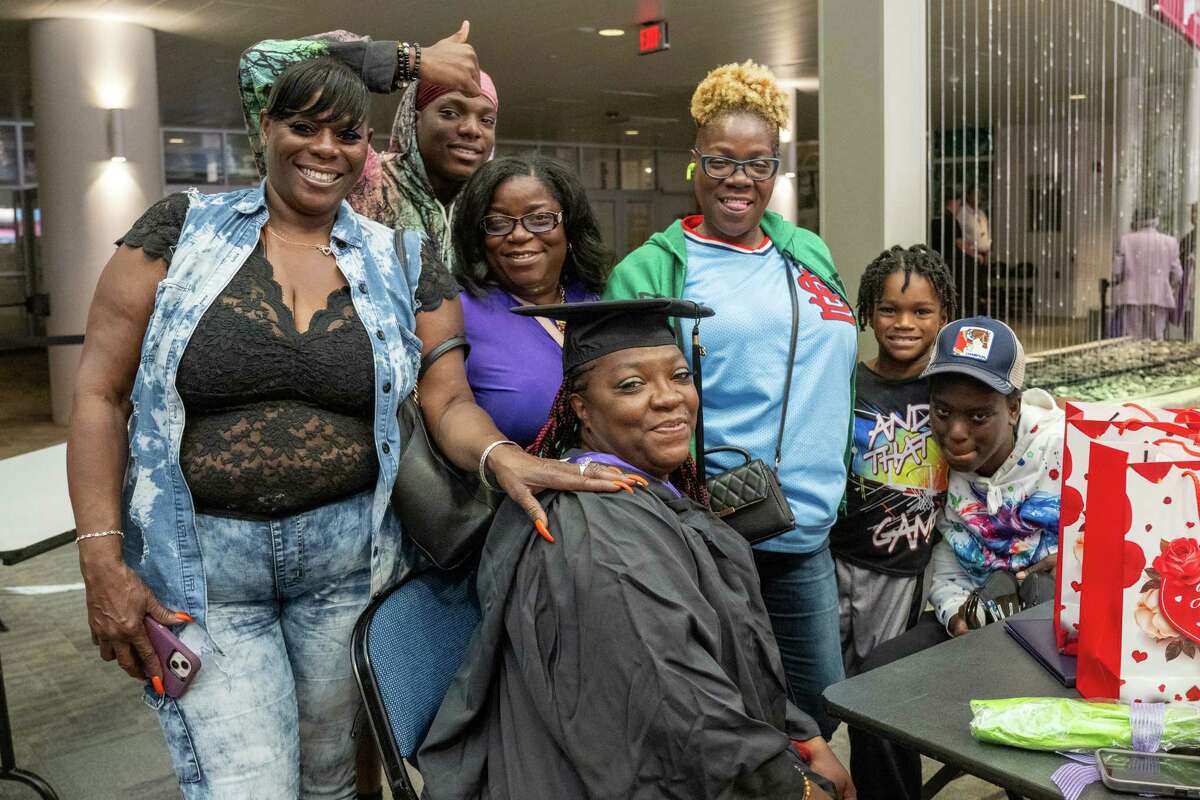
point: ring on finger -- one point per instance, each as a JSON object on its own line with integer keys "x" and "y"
{"x": 583, "y": 470}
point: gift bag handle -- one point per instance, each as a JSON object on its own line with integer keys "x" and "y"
{"x": 1186, "y": 449}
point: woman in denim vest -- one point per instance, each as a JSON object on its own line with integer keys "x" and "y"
{"x": 234, "y": 444}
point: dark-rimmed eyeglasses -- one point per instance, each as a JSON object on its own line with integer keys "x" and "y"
{"x": 534, "y": 222}
{"x": 720, "y": 167}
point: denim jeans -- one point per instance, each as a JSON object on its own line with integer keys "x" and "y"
{"x": 274, "y": 710}
{"x": 800, "y": 592}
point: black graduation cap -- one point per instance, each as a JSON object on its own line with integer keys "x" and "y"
{"x": 603, "y": 327}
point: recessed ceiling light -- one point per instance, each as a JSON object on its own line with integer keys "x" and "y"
{"x": 649, "y": 170}
{"x": 1079, "y": 97}
{"x": 611, "y": 32}
{"x": 174, "y": 140}
{"x": 631, "y": 132}
{"x": 789, "y": 175}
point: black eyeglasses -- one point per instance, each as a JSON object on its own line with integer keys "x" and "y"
{"x": 534, "y": 222}
{"x": 720, "y": 168}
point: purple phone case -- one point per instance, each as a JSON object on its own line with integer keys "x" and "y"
{"x": 167, "y": 645}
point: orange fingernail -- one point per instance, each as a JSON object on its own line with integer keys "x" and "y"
{"x": 183, "y": 616}
{"x": 637, "y": 479}
{"x": 540, "y": 527}
{"x": 157, "y": 683}
{"x": 622, "y": 485}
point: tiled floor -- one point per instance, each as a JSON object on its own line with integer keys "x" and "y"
{"x": 78, "y": 721}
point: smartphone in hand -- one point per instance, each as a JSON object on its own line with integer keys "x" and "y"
{"x": 179, "y": 664}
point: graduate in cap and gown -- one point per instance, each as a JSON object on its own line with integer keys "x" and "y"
{"x": 625, "y": 652}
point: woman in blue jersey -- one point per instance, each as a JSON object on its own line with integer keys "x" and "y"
{"x": 737, "y": 257}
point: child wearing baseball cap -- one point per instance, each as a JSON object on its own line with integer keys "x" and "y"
{"x": 999, "y": 528}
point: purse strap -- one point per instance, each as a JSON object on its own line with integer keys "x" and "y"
{"x": 787, "y": 385}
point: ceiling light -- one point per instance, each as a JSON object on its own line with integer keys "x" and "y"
{"x": 611, "y": 32}
{"x": 631, "y": 132}
{"x": 789, "y": 175}
{"x": 649, "y": 170}
{"x": 1079, "y": 97}
{"x": 174, "y": 140}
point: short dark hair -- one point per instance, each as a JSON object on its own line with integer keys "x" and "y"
{"x": 588, "y": 260}
{"x": 340, "y": 92}
{"x": 940, "y": 380}
{"x": 919, "y": 259}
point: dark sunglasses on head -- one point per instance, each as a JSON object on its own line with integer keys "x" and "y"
{"x": 534, "y": 222}
{"x": 720, "y": 167}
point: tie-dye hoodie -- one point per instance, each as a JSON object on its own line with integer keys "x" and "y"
{"x": 1007, "y": 521}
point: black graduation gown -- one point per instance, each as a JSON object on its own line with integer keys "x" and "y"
{"x": 632, "y": 658}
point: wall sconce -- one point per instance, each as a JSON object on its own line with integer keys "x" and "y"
{"x": 116, "y": 135}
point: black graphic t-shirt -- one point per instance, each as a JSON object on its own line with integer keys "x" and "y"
{"x": 897, "y": 479}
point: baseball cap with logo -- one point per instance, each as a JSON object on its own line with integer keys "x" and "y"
{"x": 980, "y": 347}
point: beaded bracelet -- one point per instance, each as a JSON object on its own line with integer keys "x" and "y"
{"x": 98, "y": 534}
{"x": 401, "y": 64}
{"x": 416, "y": 70}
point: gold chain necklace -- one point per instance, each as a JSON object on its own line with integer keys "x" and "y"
{"x": 324, "y": 249}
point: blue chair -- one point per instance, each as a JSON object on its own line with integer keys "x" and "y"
{"x": 407, "y": 646}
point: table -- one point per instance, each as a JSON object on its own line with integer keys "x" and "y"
{"x": 35, "y": 516}
{"x": 922, "y": 702}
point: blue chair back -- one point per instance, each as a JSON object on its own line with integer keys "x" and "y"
{"x": 408, "y": 645}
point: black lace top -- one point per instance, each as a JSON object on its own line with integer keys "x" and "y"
{"x": 278, "y": 421}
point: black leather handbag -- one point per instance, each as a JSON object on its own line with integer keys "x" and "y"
{"x": 444, "y": 511}
{"x": 749, "y": 498}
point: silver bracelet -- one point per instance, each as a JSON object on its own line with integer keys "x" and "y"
{"x": 487, "y": 451}
{"x": 98, "y": 534}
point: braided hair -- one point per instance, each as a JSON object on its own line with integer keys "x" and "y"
{"x": 563, "y": 431}
{"x": 919, "y": 259}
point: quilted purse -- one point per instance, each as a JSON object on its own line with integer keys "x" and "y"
{"x": 749, "y": 498}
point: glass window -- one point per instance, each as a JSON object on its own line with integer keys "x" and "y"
{"x": 28, "y": 146}
{"x": 637, "y": 169}
{"x": 672, "y": 170}
{"x": 599, "y": 167}
{"x": 567, "y": 155}
{"x": 239, "y": 160}
{"x": 639, "y": 224}
{"x": 8, "y": 154}
{"x": 192, "y": 158}
{"x": 504, "y": 150}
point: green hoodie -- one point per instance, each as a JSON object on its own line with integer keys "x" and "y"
{"x": 659, "y": 269}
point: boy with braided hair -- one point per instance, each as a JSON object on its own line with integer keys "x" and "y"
{"x": 882, "y": 540}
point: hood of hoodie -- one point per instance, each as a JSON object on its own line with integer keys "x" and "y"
{"x": 1010, "y": 519}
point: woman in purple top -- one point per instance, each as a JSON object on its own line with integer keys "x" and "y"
{"x": 525, "y": 235}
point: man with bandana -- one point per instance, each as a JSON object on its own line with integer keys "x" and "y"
{"x": 444, "y": 129}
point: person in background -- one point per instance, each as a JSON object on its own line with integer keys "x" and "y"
{"x": 881, "y": 542}
{"x": 1184, "y": 313}
{"x": 999, "y": 530}
{"x": 1146, "y": 278}
{"x": 635, "y": 660}
{"x": 738, "y": 258}
{"x": 525, "y": 235}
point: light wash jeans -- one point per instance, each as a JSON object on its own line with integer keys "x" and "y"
{"x": 274, "y": 711}
{"x": 801, "y": 595}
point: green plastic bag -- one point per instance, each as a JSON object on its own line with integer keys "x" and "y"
{"x": 1055, "y": 723}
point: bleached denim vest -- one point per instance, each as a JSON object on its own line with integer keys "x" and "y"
{"x": 219, "y": 232}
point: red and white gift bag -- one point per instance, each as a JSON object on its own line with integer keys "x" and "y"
{"x": 1129, "y": 427}
{"x": 1139, "y": 628}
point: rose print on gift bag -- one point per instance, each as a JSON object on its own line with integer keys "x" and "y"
{"x": 1140, "y": 615}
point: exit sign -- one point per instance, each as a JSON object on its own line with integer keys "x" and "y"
{"x": 653, "y": 38}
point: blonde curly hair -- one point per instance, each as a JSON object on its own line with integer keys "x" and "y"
{"x": 746, "y": 87}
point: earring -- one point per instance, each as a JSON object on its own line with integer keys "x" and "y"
{"x": 691, "y": 171}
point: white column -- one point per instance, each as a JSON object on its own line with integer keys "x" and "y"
{"x": 872, "y": 129}
{"x": 783, "y": 199}
{"x": 80, "y": 68}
